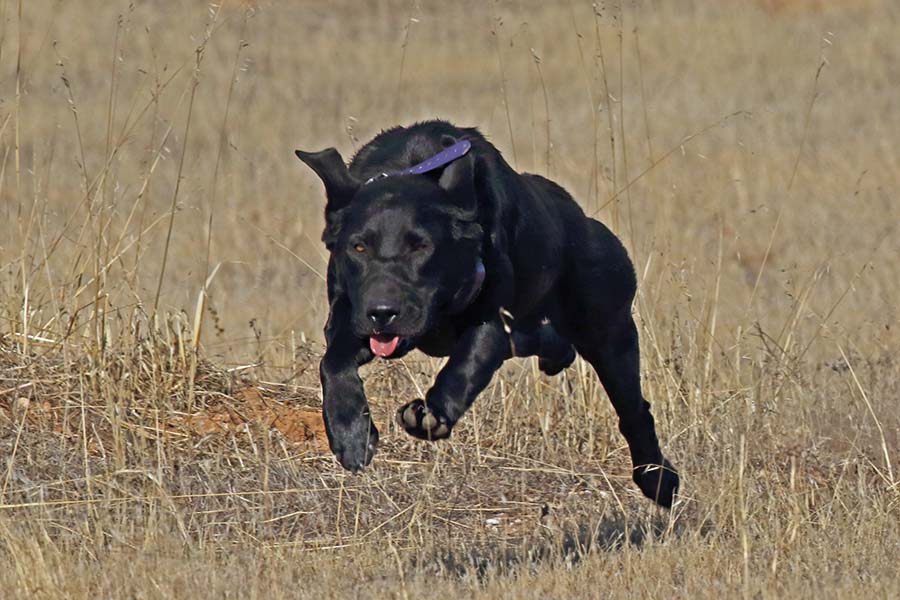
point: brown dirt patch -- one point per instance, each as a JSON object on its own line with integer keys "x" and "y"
{"x": 225, "y": 415}
{"x": 249, "y": 406}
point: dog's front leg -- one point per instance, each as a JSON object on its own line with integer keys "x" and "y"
{"x": 351, "y": 433}
{"x": 478, "y": 353}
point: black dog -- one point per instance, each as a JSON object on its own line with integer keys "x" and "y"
{"x": 460, "y": 256}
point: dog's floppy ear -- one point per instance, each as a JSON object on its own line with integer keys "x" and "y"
{"x": 340, "y": 185}
{"x": 458, "y": 178}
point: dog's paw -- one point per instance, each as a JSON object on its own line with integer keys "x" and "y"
{"x": 354, "y": 445}
{"x": 658, "y": 482}
{"x": 554, "y": 365}
{"x": 420, "y": 421}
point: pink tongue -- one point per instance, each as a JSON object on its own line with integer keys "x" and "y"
{"x": 383, "y": 345}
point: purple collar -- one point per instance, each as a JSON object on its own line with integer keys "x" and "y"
{"x": 442, "y": 158}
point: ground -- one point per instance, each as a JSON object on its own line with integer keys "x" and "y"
{"x": 161, "y": 301}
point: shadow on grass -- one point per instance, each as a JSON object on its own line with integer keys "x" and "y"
{"x": 562, "y": 545}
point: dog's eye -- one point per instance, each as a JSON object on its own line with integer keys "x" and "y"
{"x": 359, "y": 248}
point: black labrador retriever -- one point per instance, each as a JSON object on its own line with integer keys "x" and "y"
{"x": 436, "y": 243}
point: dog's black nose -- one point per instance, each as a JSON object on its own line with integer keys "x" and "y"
{"x": 382, "y": 315}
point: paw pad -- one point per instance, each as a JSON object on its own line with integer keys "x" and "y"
{"x": 420, "y": 421}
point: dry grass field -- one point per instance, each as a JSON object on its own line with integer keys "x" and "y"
{"x": 161, "y": 300}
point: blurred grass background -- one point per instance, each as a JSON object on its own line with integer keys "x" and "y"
{"x": 746, "y": 152}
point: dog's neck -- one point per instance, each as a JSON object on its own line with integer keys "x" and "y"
{"x": 465, "y": 297}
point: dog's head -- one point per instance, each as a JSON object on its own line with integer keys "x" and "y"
{"x": 405, "y": 250}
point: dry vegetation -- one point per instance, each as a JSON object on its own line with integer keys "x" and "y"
{"x": 161, "y": 301}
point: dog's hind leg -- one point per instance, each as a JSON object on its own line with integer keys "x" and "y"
{"x": 614, "y": 354}
{"x": 599, "y": 288}
{"x": 555, "y": 353}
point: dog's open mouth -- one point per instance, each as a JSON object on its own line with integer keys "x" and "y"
{"x": 383, "y": 345}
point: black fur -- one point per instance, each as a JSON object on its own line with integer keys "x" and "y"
{"x": 404, "y": 252}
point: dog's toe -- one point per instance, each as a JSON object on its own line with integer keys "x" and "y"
{"x": 354, "y": 445}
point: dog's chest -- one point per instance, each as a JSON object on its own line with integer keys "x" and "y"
{"x": 440, "y": 340}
